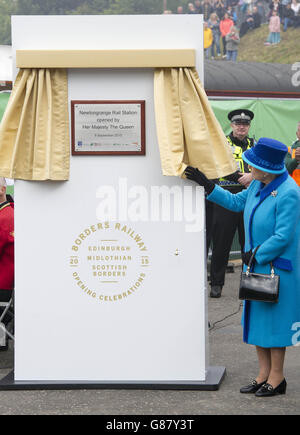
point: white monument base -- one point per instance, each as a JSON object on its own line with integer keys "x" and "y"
{"x": 142, "y": 325}
{"x": 214, "y": 378}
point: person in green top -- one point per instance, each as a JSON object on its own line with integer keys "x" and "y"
{"x": 292, "y": 160}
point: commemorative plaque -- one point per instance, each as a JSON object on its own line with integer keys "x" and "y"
{"x": 108, "y": 127}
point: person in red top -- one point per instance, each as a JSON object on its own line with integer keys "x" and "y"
{"x": 6, "y": 254}
{"x": 225, "y": 25}
{"x": 6, "y": 240}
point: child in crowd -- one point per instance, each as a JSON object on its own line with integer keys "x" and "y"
{"x": 274, "y": 27}
{"x": 232, "y": 42}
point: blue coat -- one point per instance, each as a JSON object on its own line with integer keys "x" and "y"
{"x": 271, "y": 220}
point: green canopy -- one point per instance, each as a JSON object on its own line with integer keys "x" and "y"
{"x": 4, "y": 96}
{"x": 273, "y": 118}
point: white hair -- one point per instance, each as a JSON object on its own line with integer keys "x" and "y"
{"x": 2, "y": 182}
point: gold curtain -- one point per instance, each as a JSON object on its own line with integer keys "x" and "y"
{"x": 188, "y": 131}
{"x": 34, "y": 132}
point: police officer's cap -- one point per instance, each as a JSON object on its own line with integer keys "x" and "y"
{"x": 241, "y": 116}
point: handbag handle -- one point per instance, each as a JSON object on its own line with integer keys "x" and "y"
{"x": 251, "y": 260}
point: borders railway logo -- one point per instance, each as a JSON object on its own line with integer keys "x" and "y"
{"x": 109, "y": 261}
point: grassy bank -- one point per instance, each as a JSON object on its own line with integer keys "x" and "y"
{"x": 252, "y": 48}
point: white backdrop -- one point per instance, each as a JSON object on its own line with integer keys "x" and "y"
{"x": 70, "y": 325}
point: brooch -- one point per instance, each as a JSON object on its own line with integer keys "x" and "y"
{"x": 274, "y": 193}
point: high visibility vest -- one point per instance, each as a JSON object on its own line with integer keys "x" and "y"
{"x": 296, "y": 173}
{"x": 237, "y": 153}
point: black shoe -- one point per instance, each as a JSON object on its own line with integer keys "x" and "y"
{"x": 216, "y": 291}
{"x": 267, "y": 390}
{"x": 252, "y": 387}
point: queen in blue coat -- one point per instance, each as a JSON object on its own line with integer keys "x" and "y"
{"x": 271, "y": 207}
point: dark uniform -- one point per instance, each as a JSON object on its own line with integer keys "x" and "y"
{"x": 225, "y": 222}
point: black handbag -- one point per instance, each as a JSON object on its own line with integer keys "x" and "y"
{"x": 259, "y": 286}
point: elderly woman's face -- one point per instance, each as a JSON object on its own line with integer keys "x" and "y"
{"x": 257, "y": 174}
{"x": 264, "y": 177}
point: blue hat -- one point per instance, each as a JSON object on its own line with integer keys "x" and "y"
{"x": 267, "y": 155}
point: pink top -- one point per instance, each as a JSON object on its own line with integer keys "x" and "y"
{"x": 274, "y": 24}
{"x": 225, "y": 26}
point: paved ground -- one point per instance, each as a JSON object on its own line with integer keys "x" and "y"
{"x": 226, "y": 349}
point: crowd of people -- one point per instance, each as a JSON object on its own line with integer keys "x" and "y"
{"x": 227, "y": 21}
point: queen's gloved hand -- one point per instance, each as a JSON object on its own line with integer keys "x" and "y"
{"x": 195, "y": 175}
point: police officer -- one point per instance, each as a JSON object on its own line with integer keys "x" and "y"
{"x": 225, "y": 222}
